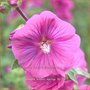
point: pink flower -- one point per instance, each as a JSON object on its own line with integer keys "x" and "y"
{"x": 7, "y": 68}
{"x": 13, "y": 2}
{"x": 63, "y": 8}
{"x": 47, "y": 45}
{"x": 2, "y": 9}
{"x": 84, "y": 87}
{"x": 36, "y": 3}
{"x": 52, "y": 82}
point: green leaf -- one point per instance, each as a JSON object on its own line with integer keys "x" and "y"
{"x": 15, "y": 64}
{"x": 76, "y": 87}
{"x": 81, "y": 72}
{"x": 73, "y": 72}
{"x": 72, "y": 76}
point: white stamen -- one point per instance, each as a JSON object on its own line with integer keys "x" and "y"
{"x": 45, "y": 47}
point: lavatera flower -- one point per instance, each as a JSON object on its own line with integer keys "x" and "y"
{"x": 47, "y": 46}
{"x": 63, "y": 9}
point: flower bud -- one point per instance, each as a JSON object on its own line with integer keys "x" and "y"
{"x": 13, "y": 2}
{"x": 2, "y": 9}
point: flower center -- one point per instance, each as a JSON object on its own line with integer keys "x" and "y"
{"x": 45, "y": 47}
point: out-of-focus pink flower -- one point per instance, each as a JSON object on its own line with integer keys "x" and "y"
{"x": 36, "y": 3}
{"x": 63, "y": 8}
{"x": 47, "y": 45}
{"x": 25, "y": 6}
{"x": 2, "y": 9}
{"x": 7, "y": 69}
{"x": 13, "y": 2}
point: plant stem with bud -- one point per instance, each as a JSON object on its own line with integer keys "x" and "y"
{"x": 21, "y": 13}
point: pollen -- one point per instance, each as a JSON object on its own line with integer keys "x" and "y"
{"x": 45, "y": 47}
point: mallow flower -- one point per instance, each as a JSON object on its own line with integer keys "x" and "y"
{"x": 52, "y": 82}
{"x": 47, "y": 44}
{"x": 47, "y": 47}
{"x": 63, "y": 9}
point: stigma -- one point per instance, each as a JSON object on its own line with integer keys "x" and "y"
{"x": 45, "y": 47}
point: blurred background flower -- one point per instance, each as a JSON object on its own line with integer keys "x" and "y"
{"x": 63, "y": 8}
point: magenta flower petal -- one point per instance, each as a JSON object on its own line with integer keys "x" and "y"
{"x": 51, "y": 82}
{"x": 80, "y": 59}
{"x": 68, "y": 85}
{"x": 46, "y": 45}
{"x": 48, "y": 83}
{"x": 84, "y": 87}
